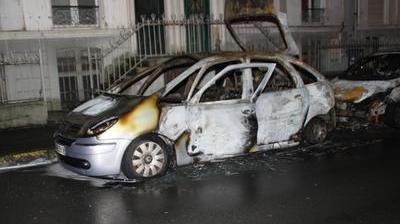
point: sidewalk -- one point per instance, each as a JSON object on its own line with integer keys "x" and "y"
{"x": 26, "y": 146}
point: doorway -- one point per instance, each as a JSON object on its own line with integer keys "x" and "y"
{"x": 198, "y": 30}
{"x": 151, "y": 40}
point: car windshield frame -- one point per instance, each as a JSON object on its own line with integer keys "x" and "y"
{"x": 150, "y": 73}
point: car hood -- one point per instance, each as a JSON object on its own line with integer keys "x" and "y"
{"x": 256, "y": 12}
{"x": 103, "y": 107}
{"x": 358, "y": 91}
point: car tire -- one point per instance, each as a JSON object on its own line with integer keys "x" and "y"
{"x": 392, "y": 115}
{"x": 316, "y": 131}
{"x": 146, "y": 157}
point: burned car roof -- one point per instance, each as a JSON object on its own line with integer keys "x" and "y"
{"x": 168, "y": 63}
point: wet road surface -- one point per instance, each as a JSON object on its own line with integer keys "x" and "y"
{"x": 348, "y": 180}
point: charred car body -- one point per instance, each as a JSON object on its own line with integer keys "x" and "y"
{"x": 222, "y": 106}
{"x": 370, "y": 90}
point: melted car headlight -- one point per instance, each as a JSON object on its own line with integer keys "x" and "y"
{"x": 102, "y": 126}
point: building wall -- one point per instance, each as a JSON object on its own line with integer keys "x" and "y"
{"x": 11, "y": 15}
{"x": 29, "y": 15}
{"x": 37, "y": 14}
{"x": 375, "y": 13}
{"x": 115, "y": 14}
{"x": 23, "y": 114}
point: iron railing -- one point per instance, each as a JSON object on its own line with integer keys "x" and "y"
{"x": 81, "y": 76}
{"x": 332, "y": 56}
{"x": 3, "y": 86}
{"x": 158, "y": 37}
{"x": 75, "y": 15}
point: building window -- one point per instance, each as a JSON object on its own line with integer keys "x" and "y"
{"x": 313, "y": 11}
{"x": 78, "y": 81}
{"x": 74, "y": 12}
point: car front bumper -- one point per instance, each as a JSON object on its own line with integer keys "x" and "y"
{"x": 91, "y": 157}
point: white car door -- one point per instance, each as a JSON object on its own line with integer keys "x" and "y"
{"x": 280, "y": 108}
{"x": 221, "y": 118}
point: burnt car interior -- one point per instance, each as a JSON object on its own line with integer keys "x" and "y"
{"x": 208, "y": 75}
{"x": 306, "y": 76}
{"x": 376, "y": 67}
{"x": 229, "y": 87}
{"x": 280, "y": 79}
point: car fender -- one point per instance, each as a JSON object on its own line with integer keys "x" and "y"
{"x": 395, "y": 95}
{"x": 321, "y": 100}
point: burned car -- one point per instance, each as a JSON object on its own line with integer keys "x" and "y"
{"x": 222, "y": 106}
{"x": 370, "y": 90}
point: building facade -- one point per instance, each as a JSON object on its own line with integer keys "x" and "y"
{"x": 59, "y": 51}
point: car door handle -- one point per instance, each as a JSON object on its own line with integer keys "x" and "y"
{"x": 247, "y": 111}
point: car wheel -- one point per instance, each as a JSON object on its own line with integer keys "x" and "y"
{"x": 316, "y": 131}
{"x": 145, "y": 158}
{"x": 392, "y": 115}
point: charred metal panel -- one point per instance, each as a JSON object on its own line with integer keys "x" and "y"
{"x": 220, "y": 129}
{"x": 358, "y": 91}
{"x": 181, "y": 145}
{"x": 257, "y": 12}
{"x": 395, "y": 95}
{"x": 142, "y": 119}
{"x": 235, "y": 8}
{"x": 280, "y": 115}
{"x": 173, "y": 121}
{"x": 321, "y": 99}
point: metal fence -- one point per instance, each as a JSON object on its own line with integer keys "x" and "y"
{"x": 334, "y": 55}
{"x": 155, "y": 37}
{"x": 82, "y": 72}
{"x": 3, "y": 86}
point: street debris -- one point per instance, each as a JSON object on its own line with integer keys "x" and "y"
{"x": 27, "y": 160}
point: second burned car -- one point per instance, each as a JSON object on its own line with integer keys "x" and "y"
{"x": 222, "y": 106}
{"x": 369, "y": 91}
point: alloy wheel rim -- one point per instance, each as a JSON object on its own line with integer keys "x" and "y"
{"x": 148, "y": 159}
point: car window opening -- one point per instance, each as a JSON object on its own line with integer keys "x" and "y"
{"x": 306, "y": 76}
{"x": 228, "y": 87}
{"x": 280, "y": 81}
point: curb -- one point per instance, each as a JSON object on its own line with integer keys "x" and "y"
{"x": 37, "y": 157}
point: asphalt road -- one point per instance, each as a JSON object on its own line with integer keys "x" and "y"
{"x": 349, "y": 180}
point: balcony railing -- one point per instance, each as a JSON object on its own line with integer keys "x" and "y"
{"x": 75, "y": 15}
{"x": 313, "y": 16}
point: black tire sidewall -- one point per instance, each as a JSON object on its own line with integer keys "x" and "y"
{"x": 392, "y": 115}
{"x": 126, "y": 164}
{"x": 309, "y": 131}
